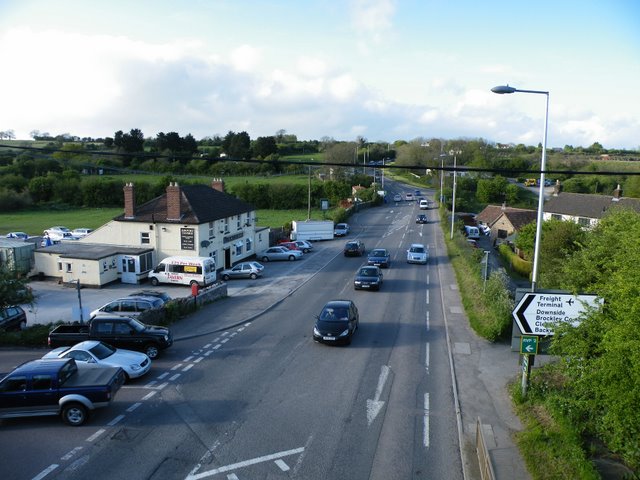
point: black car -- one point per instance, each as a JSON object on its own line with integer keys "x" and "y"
{"x": 337, "y": 322}
{"x": 422, "y": 218}
{"x": 368, "y": 278}
{"x": 379, "y": 257}
{"x": 354, "y": 248}
{"x": 12, "y": 318}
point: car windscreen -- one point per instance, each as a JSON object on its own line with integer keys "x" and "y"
{"x": 102, "y": 351}
{"x": 331, "y": 314}
{"x": 416, "y": 250}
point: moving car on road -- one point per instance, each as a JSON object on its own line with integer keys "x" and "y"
{"x": 421, "y": 218}
{"x": 341, "y": 229}
{"x": 100, "y": 354}
{"x": 368, "y": 277}
{"x": 354, "y": 248}
{"x": 337, "y": 322}
{"x": 279, "y": 253}
{"x": 250, "y": 270}
{"x": 379, "y": 257}
{"x": 417, "y": 253}
{"x": 397, "y": 197}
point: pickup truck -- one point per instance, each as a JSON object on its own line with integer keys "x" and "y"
{"x": 121, "y": 332}
{"x": 57, "y": 387}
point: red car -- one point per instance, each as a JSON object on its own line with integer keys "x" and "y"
{"x": 289, "y": 245}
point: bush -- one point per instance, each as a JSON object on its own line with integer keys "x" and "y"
{"x": 33, "y": 336}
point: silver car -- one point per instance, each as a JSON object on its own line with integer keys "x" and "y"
{"x": 279, "y": 253}
{"x": 129, "y": 306}
{"x": 418, "y": 253}
{"x": 250, "y": 270}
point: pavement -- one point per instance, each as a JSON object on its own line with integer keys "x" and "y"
{"x": 481, "y": 369}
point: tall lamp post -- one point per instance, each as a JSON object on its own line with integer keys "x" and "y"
{"x": 502, "y": 89}
{"x": 453, "y": 204}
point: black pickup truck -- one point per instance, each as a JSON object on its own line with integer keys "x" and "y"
{"x": 57, "y": 387}
{"x": 121, "y": 332}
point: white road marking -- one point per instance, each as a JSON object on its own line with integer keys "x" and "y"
{"x": 241, "y": 329}
{"x": 188, "y": 367}
{"x": 160, "y": 387}
{"x": 374, "y": 406}
{"x": 188, "y": 359}
{"x": 207, "y": 353}
{"x": 426, "y": 421}
{"x": 233, "y": 334}
{"x": 246, "y": 463}
{"x": 232, "y": 476}
{"x": 148, "y": 395}
{"x": 225, "y": 340}
{"x": 151, "y": 384}
{"x": 427, "y": 297}
{"x": 46, "y": 471}
{"x": 217, "y": 346}
{"x": 69, "y": 455}
{"x": 115, "y": 421}
{"x": 282, "y": 464}
{"x": 163, "y": 376}
{"x": 428, "y": 320}
{"x": 176, "y": 366}
{"x": 427, "y": 359}
{"x": 96, "y": 435}
{"x": 207, "y": 345}
{"x": 175, "y": 377}
{"x": 133, "y": 407}
{"x": 198, "y": 360}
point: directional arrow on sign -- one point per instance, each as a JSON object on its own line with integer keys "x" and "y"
{"x": 537, "y": 313}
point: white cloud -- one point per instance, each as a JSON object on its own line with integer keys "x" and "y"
{"x": 245, "y": 58}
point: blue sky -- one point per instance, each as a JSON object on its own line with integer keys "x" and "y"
{"x": 384, "y": 70}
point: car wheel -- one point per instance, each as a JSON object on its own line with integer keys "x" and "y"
{"x": 154, "y": 282}
{"x": 292, "y": 257}
{"x": 74, "y": 414}
{"x": 265, "y": 259}
{"x": 225, "y": 277}
{"x": 152, "y": 351}
{"x": 23, "y": 325}
{"x": 253, "y": 276}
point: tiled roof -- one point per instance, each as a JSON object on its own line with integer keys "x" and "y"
{"x": 587, "y": 205}
{"x": 492, "y": 212}
{"x": 519, "y": 218}
{"x": 198, "y": 204}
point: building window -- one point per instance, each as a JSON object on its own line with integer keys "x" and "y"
{"x": 212, "y": 230}
{"x": 555, "y": 216}
{"x": 68, "y": 267}
{"x": 584, "y": 222}
{"x": 213, "y": 255}
{"x": 226, "y": 225}
{"x": 146, "y": 262}
{"x": 144, "y": 238}
{"x": 248, "y": 244}
{"x": 238, "y": 225}
{"x": 238, "y": 248}
{"x": 59, "y": 266}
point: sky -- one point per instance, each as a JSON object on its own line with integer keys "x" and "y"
{"x": 382, "y": 70}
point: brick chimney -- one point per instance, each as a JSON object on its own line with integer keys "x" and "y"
{"x": 218, "y": 184}
{"x": 173, "y": 201}
{"x": 617, "y": 194}
{"x": 129, "y": 201}
{"x": 557, "y": 188}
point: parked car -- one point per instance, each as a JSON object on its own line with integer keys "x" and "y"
{"x": 354, "y": 248}
{"x": 418, "y": 253}
{"x": 121, "y": 332}
{"x": 421, "y": 218}
{"x": 250, "y": 270}
{"x": 100, "y": 354}
{"x": 303, "y": 245}
{"x": 57, "y": 387}
{"x": 81, "y": 232}
{"x": 57, "y": 233}
{"x": 397, "y": 197}
{"x": 279, "y": 253}
{"x": 379, "y": 257}
{"x": 12, "y": 318}
{"x": 341, "y": 229}
{"x": 152, "y": 293}
{"x": 337, "y": 322}
{"x": 484, "y": 228}
{"x": 17, "y": 235}
{"x": 290, "y": 245}
{"x": 368, "y": 278}
{"x": 128, "y": 306}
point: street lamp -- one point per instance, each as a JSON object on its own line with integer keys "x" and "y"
{"x": 502, "y": 89}
{"x": 453, "y": 204}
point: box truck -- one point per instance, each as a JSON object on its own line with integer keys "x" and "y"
{"x": 312, "y": 230}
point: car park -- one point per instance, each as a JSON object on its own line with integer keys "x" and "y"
{"x": 484, "y": 228}
{"x": 341, "y": 229}
{"x": 354, "y": 248}
{"x": 12, "y": 318}
{"x": 57, "y": 233}
{"x": 337, "y": 322}
{"x": 418, "y": 253}
{"x": 250, "y": 270}
{"x": 368, "y": 277}
{"x": 17, "y": 235}
{"x": 303, "y": 245}
{"x": 152, "y": 293}
{"x": 421, "y": 218}
{"x": 99, "y": 354}
{"x": 185, "y": 271}
{"x": 379, "y": 257}
{"x": 290, "y": 245}
{"x": 279, "y": 253}
{"x": 81, "y": 232}
{"x": 128, "y": 306}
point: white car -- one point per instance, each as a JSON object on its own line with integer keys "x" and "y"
{"x": 97, "y": 354}
{"x": 397, "y": 197}
{"x": 17, "y": 235}
{"x": 418, "y": 253}
{"x": 341, "y": 229}
{"x": 81, "y": 232}
{"x": 57, "y": 233}
{"x": 279, "y": 253}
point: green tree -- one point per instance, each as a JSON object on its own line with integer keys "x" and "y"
{"x": 13, "y": 289}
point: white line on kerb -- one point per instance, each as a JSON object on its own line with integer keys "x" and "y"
{"x": 96, "y": 435}
{"x": 246, "y": 463}
{"x": 426, "y": 420}
{"x": 46, "y": 471}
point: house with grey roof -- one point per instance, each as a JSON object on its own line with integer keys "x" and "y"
{"x": 583, "y": 208}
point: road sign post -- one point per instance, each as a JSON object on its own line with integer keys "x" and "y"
{"x": 526, "y": 371}
{"x": 528, "y": 345}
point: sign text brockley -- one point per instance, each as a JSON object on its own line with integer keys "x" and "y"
{"x": 537, "y": 313}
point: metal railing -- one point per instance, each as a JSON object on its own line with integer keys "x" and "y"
{"x": 484, "y": 460}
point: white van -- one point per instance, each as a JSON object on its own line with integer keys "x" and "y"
{"x": 424, "y": 204}
{"x": 184, "y": 271}
{"x": 472, "y": 232}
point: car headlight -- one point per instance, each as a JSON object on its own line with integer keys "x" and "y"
{"x": 345, "y": 333}
{"x": 357, "y": 282}
{"x": 166, "y": 338}
{"x": 134, "y": 367}
{"x": 316, "y": 331}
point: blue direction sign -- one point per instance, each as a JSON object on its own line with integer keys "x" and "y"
{"x": 537, "y": 313}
